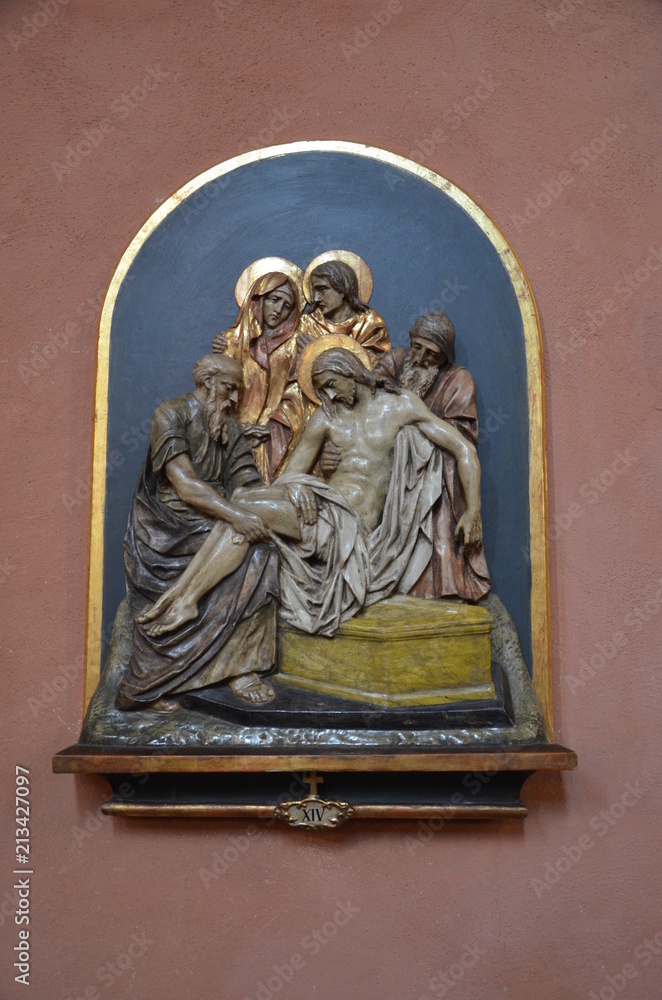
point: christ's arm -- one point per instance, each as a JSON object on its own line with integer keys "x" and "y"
{"x": 303, "y": 459}
{"x": 445, "y": 436}
{"x": 305, "y": 454}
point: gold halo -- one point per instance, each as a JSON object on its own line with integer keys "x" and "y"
{"x": 325, "y": 343}
{"x": 357, "y": 264}
{"x": 264, "y": 266}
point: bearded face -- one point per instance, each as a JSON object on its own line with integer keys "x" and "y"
{"x": 222, "y": 394}
{"x": 417, "y": 377}
{"x": 334, "y": 389}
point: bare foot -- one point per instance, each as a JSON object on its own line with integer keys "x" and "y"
{"x": 180, "y": 611}
{"x": 156, "y": 609}
{"x": 163, "y": 705}
{"x": 250, "y": 688}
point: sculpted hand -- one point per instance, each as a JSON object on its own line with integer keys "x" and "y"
{"x": 471, "y": 527}
{"x": 304, "y": 502}
{"x": 302, "y": 341}
{"x": 256, "y": 434}
{"x": 249, "y": 525}
{"x": 330, "y": 459}
{"x": 219, "y": 344}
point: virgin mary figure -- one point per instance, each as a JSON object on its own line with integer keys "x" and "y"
{"x": 272, "y": 408}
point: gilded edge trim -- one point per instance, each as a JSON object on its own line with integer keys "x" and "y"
{"x": 540, "y": 598}
{"x": 134, "y": 810}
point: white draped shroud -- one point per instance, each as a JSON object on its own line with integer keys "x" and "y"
{"x": 340, "y": 566}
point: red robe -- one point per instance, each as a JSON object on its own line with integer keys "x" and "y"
{"x": 451, "y": 572}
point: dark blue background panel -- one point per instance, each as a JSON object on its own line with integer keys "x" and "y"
{"x": 425, "y": 253}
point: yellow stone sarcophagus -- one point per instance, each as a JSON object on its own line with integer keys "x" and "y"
{"x": 400, "y": 652}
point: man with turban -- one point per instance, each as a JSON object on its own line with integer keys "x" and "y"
{"x": 428, "y": 368}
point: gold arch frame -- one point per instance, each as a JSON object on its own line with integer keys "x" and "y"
{"x": 540, "y": 599}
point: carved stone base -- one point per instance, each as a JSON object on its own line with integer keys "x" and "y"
{"x": 107, "y": 726}
{"x": 402, "y": 651}
{"x": 294, "y": 706}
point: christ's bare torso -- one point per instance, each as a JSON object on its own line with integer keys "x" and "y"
{"x": 365, "y": 436}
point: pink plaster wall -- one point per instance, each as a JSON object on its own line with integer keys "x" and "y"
{"x": 239, "y": 74}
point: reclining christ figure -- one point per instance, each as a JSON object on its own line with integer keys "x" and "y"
{"x": 361, "y": 537}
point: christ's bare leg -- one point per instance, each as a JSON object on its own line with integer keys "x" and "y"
{"x": 273, "y": 505}
{"x": 179, "y": 604}
{"x": 222, "y": 553}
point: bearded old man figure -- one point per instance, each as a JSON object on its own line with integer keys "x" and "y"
{"x": 367, "y": 533}
{"x": 428, "y": 368}
{"x": 264, "y": 342}
{"x": 197, "y": 457}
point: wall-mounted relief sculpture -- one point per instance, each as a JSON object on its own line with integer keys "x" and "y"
{"x": 318, "y": 542}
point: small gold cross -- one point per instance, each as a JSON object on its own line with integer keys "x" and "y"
{"x": 312, "y": 779}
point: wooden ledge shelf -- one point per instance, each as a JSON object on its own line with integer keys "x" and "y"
{"x": 460, "y": 784}
{"x": 79, "y": 759}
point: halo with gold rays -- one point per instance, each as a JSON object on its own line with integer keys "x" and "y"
{"x": 357, "y": 264}
{"x": 325, "y": 343}
{"x": 263, "y": 266}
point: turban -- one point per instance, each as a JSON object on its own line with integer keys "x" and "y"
{"x": 437, "y": 328}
